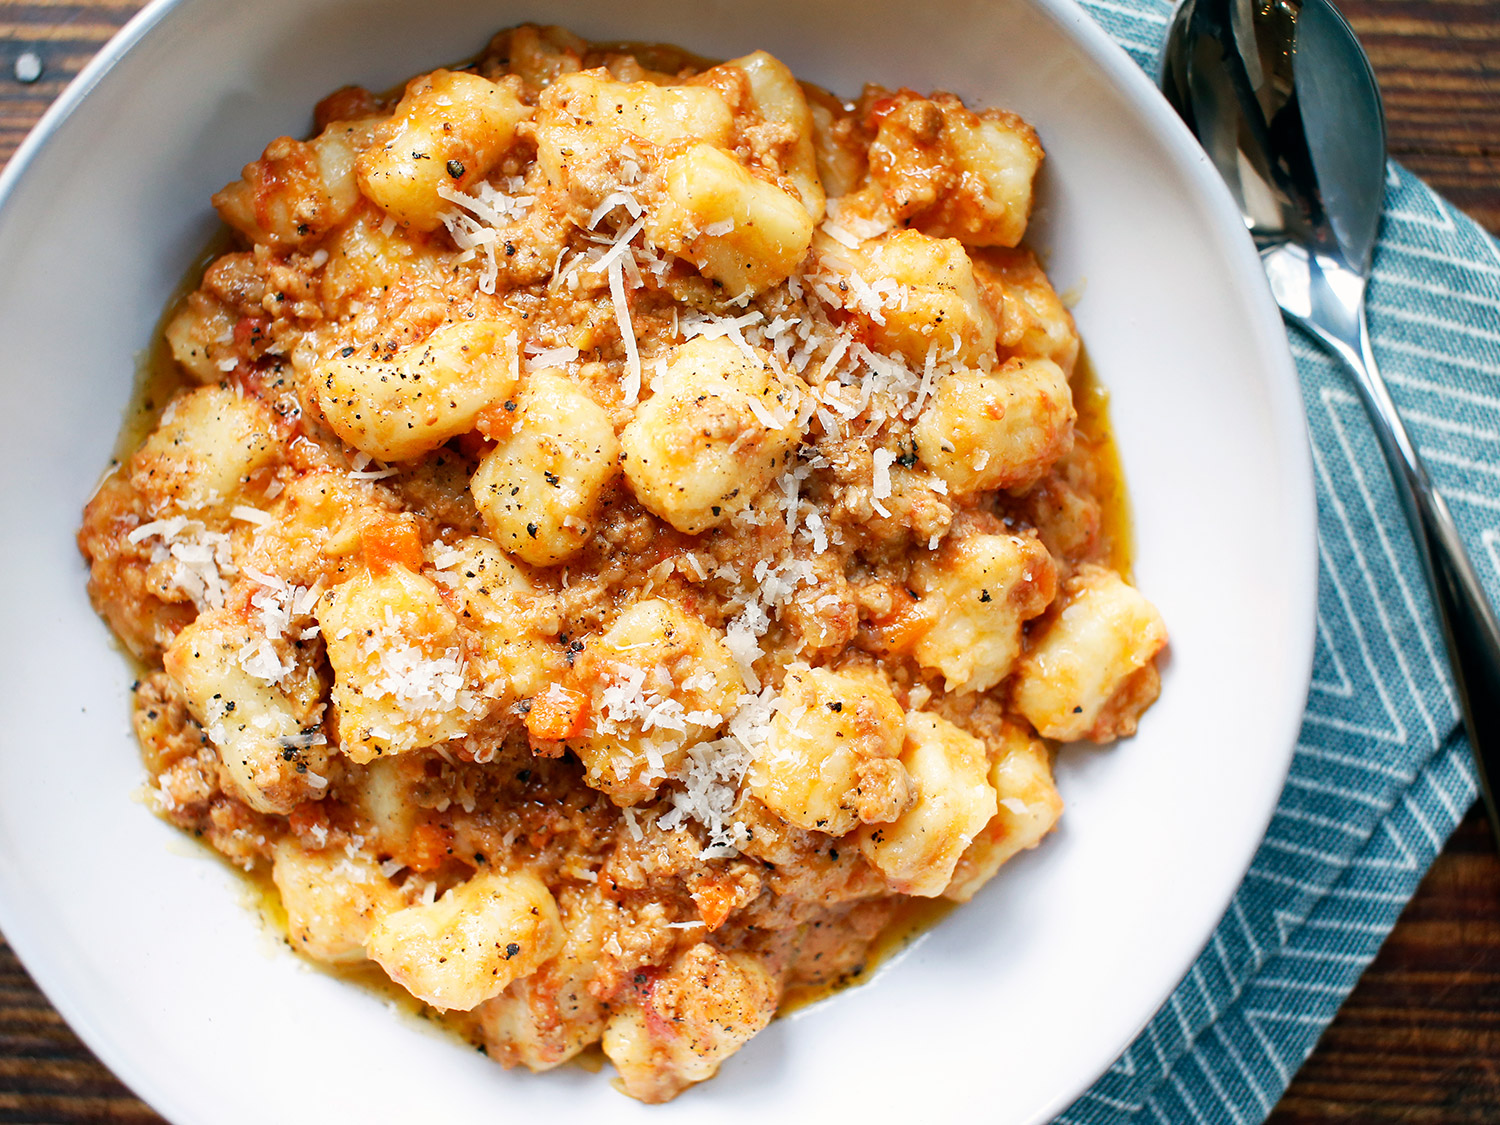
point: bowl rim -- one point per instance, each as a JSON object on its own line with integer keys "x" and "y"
{"x": 1281, "y": 381}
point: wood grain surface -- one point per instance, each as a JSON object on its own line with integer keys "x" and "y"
{"x": 1418, "y": 1042}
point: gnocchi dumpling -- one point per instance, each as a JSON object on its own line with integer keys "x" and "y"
{"x": 539, "y": 489}
{"x": 660, "y": 115}
{"x": 928, "y": 301}
{"x": 272, "y": 753}
{"x": 448, "y": 131}
{"x": 741, "y": 232}
{"x": 400, "y": 678}
{"x": 951, "y": 172}
{"x": 199, "y": 333}
{"x": 1034, "y": 322}
{"x": 211, "y": 442}
{"x": 539, "y": 55}
{"x": 664, "y": 682}
{"x": 1029, "y": 807}
{"x": 839, "y": 153}
{"x": 1090, "y": 671}
{"x": 332, "y": 900}
{"x": 682, "y": 1024}
{"x": 544, "y": 1019}
{"x": 369, "y": 255}
{"x": 778, "y": 97}
{"x": 494, "y": 595}
{"x": 974, "y": 596}
{"x": 918, "y": 853}
{"x": 999, "y": 429}
{"x": 399, "y": 408}
{"x": 383, "y": 792}
{"x": 322, "y": 519}
{"x": 589, "y": 121}
{"x": 831, "y": 757}
{"x": 720, "y": 425}
{"x": 296, "y": 192}
{"x": 470, "y": 944}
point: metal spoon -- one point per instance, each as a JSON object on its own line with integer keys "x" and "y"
{"x": 1283, "y": 99}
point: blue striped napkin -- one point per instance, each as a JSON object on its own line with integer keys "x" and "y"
{"x": 1382, "y": 773}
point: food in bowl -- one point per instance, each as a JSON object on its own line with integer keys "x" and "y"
{"x": 624, "y": 534}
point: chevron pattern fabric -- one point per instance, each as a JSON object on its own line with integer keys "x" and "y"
{"x": 1381, "y": 774}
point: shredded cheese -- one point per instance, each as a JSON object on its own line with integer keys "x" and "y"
{"x": 478, "y": 222}
{"x": 881, "y": 489}
{"x": 198, "y": 560}
{"x": 627, "y": 333}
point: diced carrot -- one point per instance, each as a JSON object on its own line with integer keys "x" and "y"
{"x": 428, "y": 846}
{"x": 714, "y": 902}
{"x": 496, "y": 420}
{"x": 391, "y": 542}
{"x": 898, "y": 630}
{"x": 557, "y": 714}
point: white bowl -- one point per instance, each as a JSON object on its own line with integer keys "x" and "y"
{"x": 1015, "y": 1003}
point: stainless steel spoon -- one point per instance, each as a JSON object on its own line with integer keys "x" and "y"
{"x": 1283, "y": 99}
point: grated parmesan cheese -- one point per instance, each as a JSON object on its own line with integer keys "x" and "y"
{"x": 247, "y": 514}
{"x": 929, "y": 373}
{"x": 627, "y": 332}
{"x": 259, "y": 659}
{"x": 477, "y": 221}
{"x": 374, "y": 474}
{"x": 633, "y": 824}
{"x": 881, "y": 489}
{"x": 199, "y": 559}
{"x": 445, "y": 557}
{"x": 615, "y": 199}
{"x": 550, "y": 357}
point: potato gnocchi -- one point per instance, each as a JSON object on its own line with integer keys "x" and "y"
{"x": 624, "y": 530}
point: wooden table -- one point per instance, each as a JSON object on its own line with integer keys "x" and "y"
{"x": 1419, "y": 1040}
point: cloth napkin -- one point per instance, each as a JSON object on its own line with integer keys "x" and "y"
{"x": 1382, "y": 773}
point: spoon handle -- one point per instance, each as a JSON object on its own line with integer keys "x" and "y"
{"x": 1468, "y": 620}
